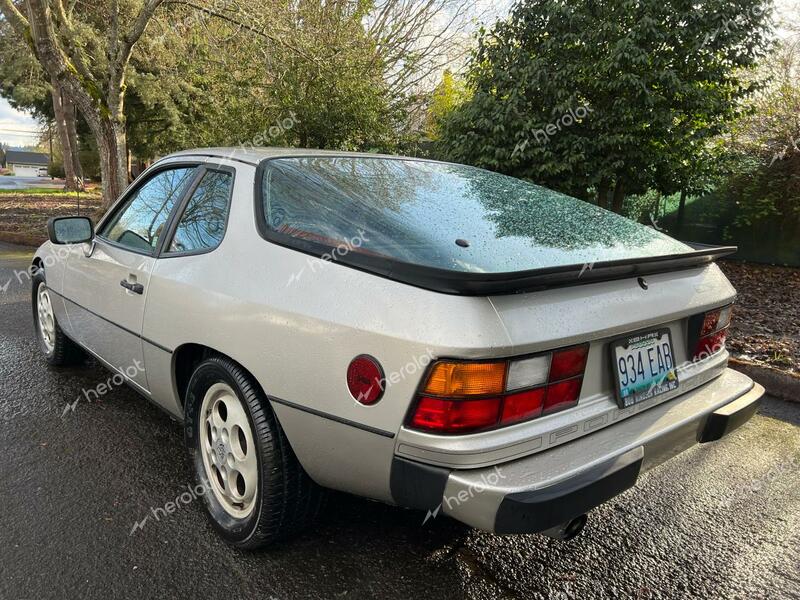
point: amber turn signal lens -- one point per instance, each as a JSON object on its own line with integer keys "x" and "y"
{"x": 466, "y": 379}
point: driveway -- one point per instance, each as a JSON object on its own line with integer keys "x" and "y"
{"x": 22, "y": 183}
{"x": 718, "y": 521}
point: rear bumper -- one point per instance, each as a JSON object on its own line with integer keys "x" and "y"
{"x": 544, "y": 490}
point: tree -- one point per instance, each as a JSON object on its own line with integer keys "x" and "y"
{"x": 350, "y": 71}
{"x": 763, "y": 151}
{"x": 307, "y": 73}
{"x": 300, "y": 73}
{"x": 24, "y": 85}
{"x": 606, "y": 97}
{"x": 330, "y": 83}
{"x": 65, "y": 120}
{"x": 152, "y": 76}
{"x": 450, "y": 94}
{"x": 85, "y": 55}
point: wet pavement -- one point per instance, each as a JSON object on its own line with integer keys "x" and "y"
{"x": 719, "y": 521}
{"x": 22, "y": 183}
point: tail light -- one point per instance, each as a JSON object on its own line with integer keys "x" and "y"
{"x": 465, "y": 397}
{"x": 708, "y": 331}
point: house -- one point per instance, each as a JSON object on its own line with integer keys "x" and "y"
{"x": 27, "y": 164}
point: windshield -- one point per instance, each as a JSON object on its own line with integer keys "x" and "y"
{"x": 445, "y": 216}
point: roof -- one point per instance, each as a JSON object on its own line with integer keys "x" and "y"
{"x": 255, "y": 154}
{"x": 19, "y": 157}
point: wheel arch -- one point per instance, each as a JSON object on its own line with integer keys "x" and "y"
{"x": 185, "y": 359}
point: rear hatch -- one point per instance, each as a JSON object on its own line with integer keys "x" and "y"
{"x": 452, "y": 228}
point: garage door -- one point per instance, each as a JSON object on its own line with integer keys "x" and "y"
{"x": 21, "y": 171}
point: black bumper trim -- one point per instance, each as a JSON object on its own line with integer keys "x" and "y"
{"x": 414, "y": 485}
{"x": 730, "y": 417}
{"x": 537, "y": 510}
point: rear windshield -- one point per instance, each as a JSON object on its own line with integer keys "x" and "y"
{"x": 445, "y": 216}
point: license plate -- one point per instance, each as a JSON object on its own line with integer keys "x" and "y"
{"x": 644, "y": 366}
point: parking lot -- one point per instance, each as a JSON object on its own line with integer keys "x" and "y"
{"x": 718, "y": 521}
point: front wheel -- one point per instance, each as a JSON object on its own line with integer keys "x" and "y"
{"x": 57, "y": 348}
{"x": 254, "y": 488}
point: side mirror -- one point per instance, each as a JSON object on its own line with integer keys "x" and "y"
{"x": 70, "y": 230}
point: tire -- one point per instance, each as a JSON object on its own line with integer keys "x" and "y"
{"x": 57, "y": 348}
{"x": 284, "y": 498}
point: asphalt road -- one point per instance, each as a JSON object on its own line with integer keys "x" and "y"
{"x": 21, "y": 183}
{"x": 720, "y": 521}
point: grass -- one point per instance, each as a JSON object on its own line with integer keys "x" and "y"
{"x": 49, "y": 192}
{"x": 780, "y": 358}
{"x": 24, "y": 213}
{"x": 16, "y": 254}
{"x": 672, "y": 202}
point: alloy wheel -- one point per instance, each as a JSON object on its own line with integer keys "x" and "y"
{"x": 47, "y": 320}
{"x": 228, "y": 449}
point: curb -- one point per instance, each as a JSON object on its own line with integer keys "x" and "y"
{"x": 780, "y": 384}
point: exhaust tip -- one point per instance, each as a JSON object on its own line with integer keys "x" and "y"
{"x": 569, "y": 530}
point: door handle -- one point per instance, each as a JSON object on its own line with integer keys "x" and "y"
{"x": 136, "y": 288}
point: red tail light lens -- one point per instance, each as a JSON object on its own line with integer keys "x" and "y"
{"x": 468, "y": 396}
{"x": 568, "y": 363}
{"x": 562, "y": 395}
{"x": 709, "y": 331}
{"x": 455, "y": 416}
{"x": 711, "y": 344}
{"x": 523, "y": 406}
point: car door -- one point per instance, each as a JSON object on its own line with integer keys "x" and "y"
{"x": 106, "y": 286}
{"x": 182, "y": 273}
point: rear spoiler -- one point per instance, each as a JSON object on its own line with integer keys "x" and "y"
{"x": 491, "y": 284}
{"x": 494, "y": 284}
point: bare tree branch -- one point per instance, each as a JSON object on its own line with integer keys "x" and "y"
{"x": 262, "y": 32}
{"x": 417, "y": 38}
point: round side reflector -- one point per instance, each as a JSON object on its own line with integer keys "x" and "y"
{"x": 365, "y": 380}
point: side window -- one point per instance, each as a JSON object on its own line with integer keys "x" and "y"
{"x": 202, "y": 224}
{"x": 140, "y": 223}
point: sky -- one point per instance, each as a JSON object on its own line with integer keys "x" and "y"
{"x": 12, "y": 122}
